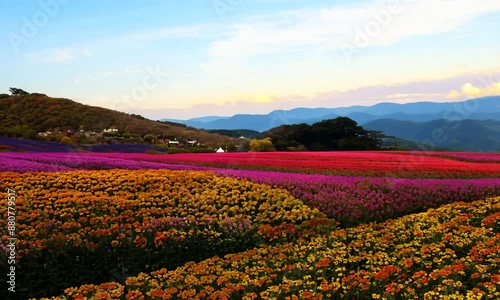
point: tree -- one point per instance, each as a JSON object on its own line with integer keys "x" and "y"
{"x": 18, "y": 92}
{"x": 230, "y": 147}
{"x": 149, "y": 138}
{"x": 341, "y": 133}
{"x": 23, "y": 131}
{"x": 2, "y": 96}
{"x": 67, "y": 140}
{"x": 264, "y": 145}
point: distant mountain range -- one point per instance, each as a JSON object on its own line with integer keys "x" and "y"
{"x": 486, "y": 108}
{"x": 463, "y": 135}
{"x": 471, "y": 125}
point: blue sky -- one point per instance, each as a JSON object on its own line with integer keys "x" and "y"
{"x": 182, "y": 59}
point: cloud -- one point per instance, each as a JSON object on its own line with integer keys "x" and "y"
{"x": 431, "y": 90}
{"x": 331, "y": 28}
{"x": 254, "y": 98}
{"x": 58, "y": 55}
{"x": 470, "y": 91}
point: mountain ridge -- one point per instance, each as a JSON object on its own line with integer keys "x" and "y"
{"x": 478, "y": 108}
{"x": 463, "y": 135}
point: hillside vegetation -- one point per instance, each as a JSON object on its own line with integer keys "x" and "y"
{"x": 27, "y": 115}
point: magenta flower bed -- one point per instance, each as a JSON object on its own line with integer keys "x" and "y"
{"x": 8, "y": 164}
{"x": 38, "y": 161}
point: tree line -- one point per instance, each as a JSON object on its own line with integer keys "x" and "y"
{"x": 341, "y": 133}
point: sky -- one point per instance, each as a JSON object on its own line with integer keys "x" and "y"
{"x": 183, "y": 59}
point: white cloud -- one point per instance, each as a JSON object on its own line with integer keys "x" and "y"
{"x": 57, "y": 55}
{"x": 331, "y": 28}
{"x": 469, "y": 91}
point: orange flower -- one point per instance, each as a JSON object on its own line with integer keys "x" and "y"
{"x": 324, "y": 262}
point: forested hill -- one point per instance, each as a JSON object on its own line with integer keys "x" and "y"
{"x": 340, "y": 133}
{"x": 35, "y": 113}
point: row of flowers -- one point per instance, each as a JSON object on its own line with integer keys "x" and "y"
{"x": 355, "y": 200}
{"x": 387, "y": 164}
{"x": 53, "y": 162}
{"x": 466, "y": 156}
{"x": 102, "y": 225}
{"x": 451, "y": 252}
{"x": 352, "y": 163}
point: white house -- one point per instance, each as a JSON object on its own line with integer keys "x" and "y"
{"x": 220, "y": 150}
{"x": 110, "y": 130}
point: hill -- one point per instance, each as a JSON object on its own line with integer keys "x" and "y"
{"x": 464, "y": 135}
{"x": 28, "y": 115}
{"x": 479, "y": 109}
{"x": 236, "y": 133}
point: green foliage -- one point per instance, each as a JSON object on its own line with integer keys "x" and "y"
{"x": 138, "y": 116}
{"x": 236, "y": 133}
{"x": 264, "y": 145}
{"x": 67, "y": 140}
{"x": 299, "y": 148}
{"x": 19, "y": 131}
{"x": 18, "y": 92}
{"x": 2, "y": 96}
{"x": 231, "y": 147}
{"x": 149, "y": 138}
{"x": 340, "y": 133}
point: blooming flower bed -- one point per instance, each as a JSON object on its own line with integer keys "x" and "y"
{"x": 374, "y": 164}
{"x": 355, "y": 200}
{"x": 488, "y": 157}
{"x": 134, "y": 215}
{"x": 350, "y": 200}
{"x": 450, "y": 252}
{"x": 40, "y": 161}
{"x": 94, "y": 226}
{"x": 351, "y": 163}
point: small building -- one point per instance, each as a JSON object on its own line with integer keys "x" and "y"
{"x": 220, "y": 150}
{"x": 110, "y": 130}
{"x": 45, "y": 134}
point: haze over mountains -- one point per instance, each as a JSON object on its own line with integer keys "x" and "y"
{"x": 478, "y": 109}
{"x": 472, "y": 125}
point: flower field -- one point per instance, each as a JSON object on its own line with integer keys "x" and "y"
{"x": 350, "y": 163}
{"x": 402, "y": 225}
{"x": 452, "y": 251}
{"x": 366, "y": 163}
{"x": 104, "y": 225}
{"x": 355, "y": 200}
